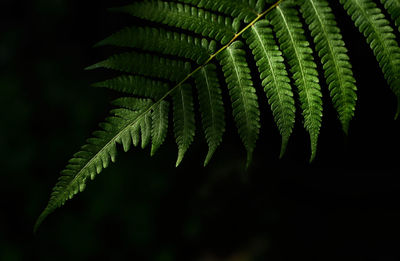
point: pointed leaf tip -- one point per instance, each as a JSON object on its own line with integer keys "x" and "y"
{"x": 39, "y": 221}
{"x": 92, "y": 67}
{"x": 178, "y": 162}
{"x": 312, "y": 158}
{"x": 314, "y": 142}
{"x": 36, "y": 227}
{"x": 285, "y": 141}
{"x": 249, "y": 159}
{"x": 153, "y": 151}
{"x": 180, "y": 158}
{"x": 346, "y": 130}
{"x": 313, "y": 154}
{"x": 209, "y": 156}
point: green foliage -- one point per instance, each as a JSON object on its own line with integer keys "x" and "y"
{"x": 184, "y": 123}
{"x": 274, "y": 76}
{"x": 243, "y": 95}
{"x": 162, "y": 41}
{"x": 186, "y": 17}
{"x": 333, "y": 53}
{"x": 211, "y": 107}
{"x": 296, "y": 50}
{"x": 181, "y": 41}
{"x": 393, "y": 7}
{"x": 376, "y": 29}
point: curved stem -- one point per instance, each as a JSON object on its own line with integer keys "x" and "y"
{"x": 259, "y": 16}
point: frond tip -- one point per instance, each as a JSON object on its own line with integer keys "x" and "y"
{"x": 123, "y": 127}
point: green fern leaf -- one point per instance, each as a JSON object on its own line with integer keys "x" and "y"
{"x": 159, "y": 131}
{"x": 136, "y": 85}
{"x": 393, "y": 8}
{"x": 296, "y": 49}
{"x": 158, "y": 68}
{"x": 241, "y": 9}
{"x": 274, "y": 77}
{"x": 186, "y": 17}
{"x": 211, "y": 107}
{"x": 163, "y": 42}
{"x": 333, "y": 53}
{"x": 146, "y": 65}
{"x": 142, "y": 129}
{"x": 243, "y": 95}
{"x": 373, "y": 25}
{"x": 98, "y": 152}
{"x": 184, "y": 120}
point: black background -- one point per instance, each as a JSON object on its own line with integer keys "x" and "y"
{"x": 344, "y": 205}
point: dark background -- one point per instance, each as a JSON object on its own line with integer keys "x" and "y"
{"x": 345, "y": 205}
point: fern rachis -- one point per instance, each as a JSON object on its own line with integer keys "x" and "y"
{"x": 156, "y": 77}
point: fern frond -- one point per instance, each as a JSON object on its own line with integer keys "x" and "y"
{"x": 218, "y": 27}
{"x": 99, "y": 151}
{"x": 163, "y": 42}
{"x": 393, "y": 8}
{"x": 376, "y": 29}
{"x": 146, "y": 65}
{"x": 159, "y": 131}
{"x": 135, "y": 85}
{"x": 241, "y": 9}
{"x": 333, "y": 53}
{"x": 211, "y": 107}
{"x": 295, "y": 47}
{"x": 184, "y": 119}
{"x": 243, "y": 95}
{"x": 162, "y": 70}
{"x": 274, "y": 77}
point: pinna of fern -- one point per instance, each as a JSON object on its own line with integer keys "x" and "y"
{"x": 155, "y": 75}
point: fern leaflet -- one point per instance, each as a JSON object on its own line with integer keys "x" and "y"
{"x": 163, "y": 42}
{"x": 184, "y": 126}
{"x": 185, "y": 17}
{"x": 372, "y": 23}
{"x": 211, "y": 107}
{"x": 393, "y": 8}
{"x": 274, "y": 77}
{"x": 243, "y": 95}
{"x": 296, "y": 49}
{"x": 333, "y": 53}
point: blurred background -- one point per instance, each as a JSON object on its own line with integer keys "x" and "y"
{"x": 344, "y": 205}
